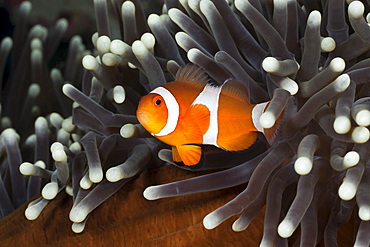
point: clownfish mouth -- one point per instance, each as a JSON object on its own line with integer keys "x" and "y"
{"x": 143, "y": 117}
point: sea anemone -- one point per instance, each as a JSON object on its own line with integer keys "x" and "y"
{"x": 305, "y": 57}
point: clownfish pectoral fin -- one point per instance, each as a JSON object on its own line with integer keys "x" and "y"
{"x": 200, "y": 115}
{"x": 175, "y": 155}
{"x": 192, "y": 73}
{"x": 190, "y": 154}
{"x": 240, "y": 143}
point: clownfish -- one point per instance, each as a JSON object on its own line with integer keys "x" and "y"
{"x": 189, "y": 112}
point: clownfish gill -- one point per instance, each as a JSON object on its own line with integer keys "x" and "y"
{"x": 189, "y": 112}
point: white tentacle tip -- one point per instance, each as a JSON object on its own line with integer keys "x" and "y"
{"x": 119, "y": 94}
{"x": 32, "y": 213}
{"x": 285, "y": 229}
{"x": 239, "y": 226}
{"x": 356, "y": 9}
{"x": 114, "y": 174}
{"x": 67, "y": 88}
{"x": 364, "y": 213}
{"x": 96, "y": 175}
{"x": 360, "y": 134}
{"x": 26, "y": 168}
{"x": 363, "y": 118}
{"x": 78, "y": 227}
{"x": 342, "y": 125}
{"x": 328, "y": 44}
{"x": 267, "y": 120}
{"x": 50, "y": 191}
{"x": 151, "y": 193}
{"x": 342, "y": 83}
{"x": 337, "y": 64}
{"x": 347, "y": 191}
{"x": 351, "y": 159}
{"x": 103, "y": 44}
{"x": 211, "y": 221}
{"x": 89, "y": 62}
{"x": 138, "y": 48}
{"x": 303, "y": 165}
{"x": 78, "y": 214}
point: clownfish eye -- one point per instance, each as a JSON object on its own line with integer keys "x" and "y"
{"x": 158, "y": 102}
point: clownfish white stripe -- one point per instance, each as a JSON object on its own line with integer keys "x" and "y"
{"x": 209, "y": 97}
{"x": 256, "y": 114}
{"x": 173, "y": 111}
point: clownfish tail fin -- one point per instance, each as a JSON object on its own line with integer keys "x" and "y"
{"x": 269, "y": 120}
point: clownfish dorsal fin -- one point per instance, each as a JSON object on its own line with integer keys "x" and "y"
{"x": 189, "y": 154}
{"x": 192, "y": 73}
{"x": 236, "y": 89}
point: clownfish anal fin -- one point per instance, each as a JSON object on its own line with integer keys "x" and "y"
{"x": 192, "y": 73}
{"x": 236, "y": 89}
{"x": 189, "y": 154}
{"x": 239, "y": 143}
{"x": 175, "y": 155}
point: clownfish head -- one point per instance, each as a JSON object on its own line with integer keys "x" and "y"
{"x": 158, "y": 112}
{"x": 152, "y": 113}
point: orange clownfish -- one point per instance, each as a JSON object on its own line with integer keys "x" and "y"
{"x": 189, "y": 112}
